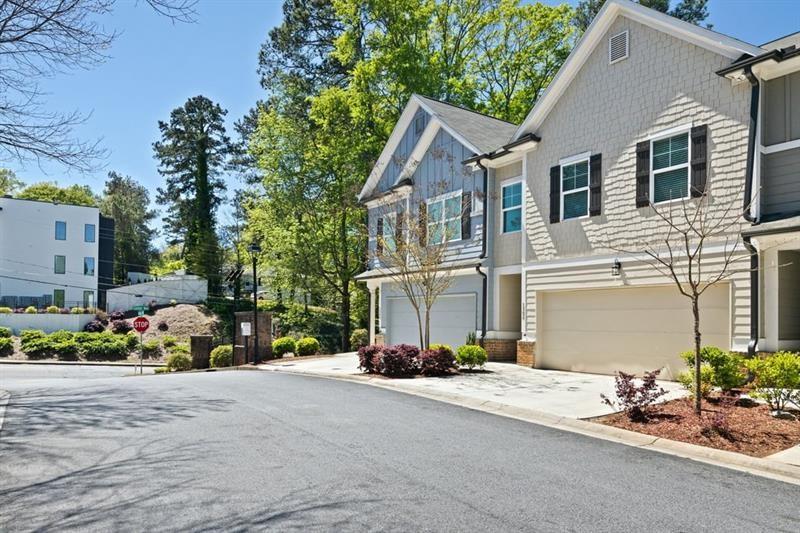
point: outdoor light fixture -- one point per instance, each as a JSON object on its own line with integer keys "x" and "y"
{"x": 254, "y": 250}
{"x": 616, "y": 268}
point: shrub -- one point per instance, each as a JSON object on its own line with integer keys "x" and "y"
{"x": 35, "y": 344}
{"x": 66, "y": 350}
{"x": 359, "y": 338}
{"x": 436, "y": 361}
{"x": 161, "y": 370}
{"x": 168, "y": 341}
{"x": 53, "y": 309}
{"x": 368, "y": 356}
{"x": 777, "y": 379}
{"x": 173, "y": 302}
{"x": 180, "y": 348}
{"x": 394, "y": 362}
{"x": 151, "y": 349}
{"x": 162, "y": 325}
{"x": 177, "y": 361}
{"x": 95, "y": 326}
{"x": 307, "y": 346}
{"x": 31, "y": 334}
{"x": 77, "y": 310}
{"x": 282, "y": 346}
{"x": 5, "y": 333}
{"x": 221, "y": 356}
{"x": 471, "y": 355}
{"x": 6, "y": 346}
{"x": 132, "y": 340}
{"x": 116, "y": 315}
{"x": 436, "y": 346}
{"x": 726, "y": 368}
{"x": 121, "y": 327}
{"x": 635, "y": 400}
{"x": 686, "y": 378}
{"x": 103, "y": 347}
{"x": 101, "y": 316}
{"x": 31, "y": 310}
{"x": 5, "y": 310}
{"x": 472, "y": 339}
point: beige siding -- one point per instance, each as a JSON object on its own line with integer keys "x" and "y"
{"x": 789, "y": 295}
{"x": 507, "y": 247}
{"x": 510, "y": 287}
{"x": 665, "y": 83}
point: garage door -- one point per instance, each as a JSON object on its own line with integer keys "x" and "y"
{"x": 452, "y": 318}
{"x": 629, "y": 329}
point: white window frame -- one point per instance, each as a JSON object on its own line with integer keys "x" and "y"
{"x": 627, "y": 47}
{"x": 569, "y": 161}
{"x": 672, "y": 132}
{"x": 503, "y": 186}
{"x": 65, "y": 230}
{"x": 393, "y": 231}
{"x": 437, "y": 199}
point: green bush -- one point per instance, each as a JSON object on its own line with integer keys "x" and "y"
{"x": 283, "y": 346}
{"x": 151, "y": 349}
{"x": 470, "y": 356}
{"x": 168, "y": 341}
{"x": 307, "y": 346}
{"x": 726, "y": 368}
{"x": 686, "y": 378}
{"x": 30, "y": 334}
{"x": 6, "y": 346}
{"x": 777, "y": 379}
{"x": 161, "y": 370}
{"x": 66, "y": 350}
{"x": 102, "y": 348}
{"x": 177, "y": 361}
{"x": 438, "y": 347}
{"x": 359, "y": 338}
{"x": 180, "y": 348}
{"x": 53, "y": 309}
{"x": 6, "y": 310}
{"x": 221, "y": 356}
{"x": 5, "y": 333}
{"x": 36, "y": 344}
{"x": 131, "y": 340}
{"x": 77, "y": 310}
{"x": 31, "y": 310}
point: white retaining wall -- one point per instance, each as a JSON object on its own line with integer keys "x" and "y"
{"x": 185, "y": 289}
{"x": 46, "y": 322}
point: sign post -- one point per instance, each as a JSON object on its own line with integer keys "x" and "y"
{"x": 141, "y": 324}
{"x": 245, "y": 334}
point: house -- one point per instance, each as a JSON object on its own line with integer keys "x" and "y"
{"x": 646, "y": 109}
{"x": 772, "y": 198}
{"x": 54, "y": 254}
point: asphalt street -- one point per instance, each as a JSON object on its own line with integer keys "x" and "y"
{"x": 256, "y": 450}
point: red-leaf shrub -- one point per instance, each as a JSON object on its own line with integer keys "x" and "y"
{"x": 163, "y": 326}
{"x": 635, "y": 400}
{"x": 436, "y": 362}
{"x": 121, "y": 326}
{"x": 367, "y": 356}
{"x": 116, "y": 315}
{"x": 95, "y": 326}
{"x": 396, "y": 361}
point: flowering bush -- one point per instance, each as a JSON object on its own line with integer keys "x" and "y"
{"x": 635, "y": 400}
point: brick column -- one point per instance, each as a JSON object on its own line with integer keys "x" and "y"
{"x": 201, "y": 350}
{"x": 526, "y": 353}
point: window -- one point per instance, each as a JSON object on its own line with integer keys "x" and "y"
{"x": 575, "y": 189}
{"x": 60, "y": 264}
{"x": 444, "y": 218}
{"x": 419, "y": 124}
{"x": 58, "y": 297}
{"x": 88, "y": 232}
{"x": 669, "y": 168}
{"x": 389, "y": 228}
{"x": 88, "y": 298}
{"x": 512, "y": 207}
{"x": 61, "y": 230}
{"x": 88, "y": 266}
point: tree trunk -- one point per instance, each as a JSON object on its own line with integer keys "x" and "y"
{"x": 421, "y": 328}
{"x": 427, "y": 329}
{"x": 345, "y": 318}
{"x": 697, "y": 363}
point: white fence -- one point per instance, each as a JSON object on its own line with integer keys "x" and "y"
{"x": 47, "y": 322}
{"x": 184, "y": 289}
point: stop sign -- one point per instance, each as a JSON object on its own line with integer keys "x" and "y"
{"x": 141, "y": 324}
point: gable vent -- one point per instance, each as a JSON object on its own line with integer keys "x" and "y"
{"x": 618, "y": 47}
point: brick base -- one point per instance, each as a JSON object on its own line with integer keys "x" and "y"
{"x": 500, "y": 349}
{"x": 380, "y": 339}
{"x": 526, "y": 353}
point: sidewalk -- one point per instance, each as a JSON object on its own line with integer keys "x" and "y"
{"x": 545, "y": 397}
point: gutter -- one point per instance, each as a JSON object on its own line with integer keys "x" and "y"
{"x": 503, "y": 150}
{"x": 485, "y": 281}
{"x": 747, "y": 214}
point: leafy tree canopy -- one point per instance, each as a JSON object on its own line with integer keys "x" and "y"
{"x": 9, "y": 183}
{"x": 51, "y": 192}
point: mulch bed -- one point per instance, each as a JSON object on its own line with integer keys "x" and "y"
{"x": 750, "y": 430}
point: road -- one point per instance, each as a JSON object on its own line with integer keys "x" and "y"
{"x": 261, "y": 450}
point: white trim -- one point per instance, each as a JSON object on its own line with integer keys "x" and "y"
{"x": 667, "y": 134}
{"x": 780, "y": 147}
{"x": 716, "y": 42}
{"x": 570, "y": 161}
{"x": 523, "y": 241}
{"x": 418, "y": 152}
{"x": 627, "y": 47}
{"x": 575, "y": 158}
{"x": 394, "y": 196}
{"x": 503, "y": 185}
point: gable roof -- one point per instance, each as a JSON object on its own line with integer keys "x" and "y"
{"x": 478, "y": 132}
{"x": 593, "y": 36}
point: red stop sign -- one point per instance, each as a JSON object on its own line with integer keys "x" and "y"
{"x": 141, "y": 324}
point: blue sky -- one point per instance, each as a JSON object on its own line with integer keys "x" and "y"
{"x": 155, "y": 66}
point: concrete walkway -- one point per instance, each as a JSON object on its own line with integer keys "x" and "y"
{"x": 561, "y": 394}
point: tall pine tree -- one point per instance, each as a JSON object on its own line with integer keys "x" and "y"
{"x": 192, "y": 153}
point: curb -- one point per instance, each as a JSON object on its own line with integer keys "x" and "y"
{"x": 4, "y": 397}
{"x": 74, "y": 363}
{"x": 736, "y": 461}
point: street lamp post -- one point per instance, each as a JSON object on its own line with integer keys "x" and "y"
{"x": 254, "y": 250}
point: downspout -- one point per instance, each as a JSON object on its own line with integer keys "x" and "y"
{"x": 485, "y": 288}
{"x": 747, "y": 214}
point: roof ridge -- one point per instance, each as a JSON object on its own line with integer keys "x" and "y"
{"x": 462, "y": 108}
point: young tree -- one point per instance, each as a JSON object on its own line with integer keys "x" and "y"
{"x": 51, "y": 192}
{"x": 9, "y": 183}
{"x": 127, "y": 202}
{"x": 193, "y": 151}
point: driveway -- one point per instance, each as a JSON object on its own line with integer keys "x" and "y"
{"x": 238, "y": 451}
{"x": 562, "y": 394}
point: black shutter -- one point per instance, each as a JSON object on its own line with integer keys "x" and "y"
{"x": 643, "y": 174}
{"x": 699, "y": 160}
{"x": 555, "y": 194}
{"x": 595, "y": 184}
{"x": 398, "y": 228}
{"x": 423, "y": 224}
{"x": 466, "y": 215}
{"x": 379, "y": 236}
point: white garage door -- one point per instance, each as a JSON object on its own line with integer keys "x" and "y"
{"x": 452, "y": 318}
{"x": 629, "y": 329}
